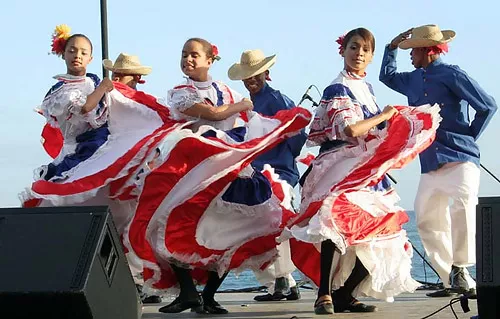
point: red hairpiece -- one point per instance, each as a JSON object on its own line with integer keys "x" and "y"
{"x": 58, "y": 45}
{"x": 340, "y": 41}
{"x": 215, "y": 52}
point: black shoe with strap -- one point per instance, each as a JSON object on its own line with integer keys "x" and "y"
{"x": 181, "y": 304}
{"x": 343, "y": 301}
{"x": 323, "y": 306}
{"x": 352, "y": 305}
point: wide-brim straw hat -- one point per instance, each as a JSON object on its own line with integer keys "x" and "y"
{"x": 252, "y": 62}
{"x": 126, "y": 64}
{"x": 427, "y": 36}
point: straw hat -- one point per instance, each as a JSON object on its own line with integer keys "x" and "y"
{"x": 126, "y": 64}
{"x": 427, "y": 36}
{"x": 252, "y": 62}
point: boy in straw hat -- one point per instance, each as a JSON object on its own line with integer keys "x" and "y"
{"x": 253, "y": 70}
{"x": 450, "y": 166}
{"x": 127, "y": 69}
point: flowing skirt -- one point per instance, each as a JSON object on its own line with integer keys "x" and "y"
{"x": 204, "y": 207}
{"x": 105, "y": 162}
{"x": 340, "y": 203}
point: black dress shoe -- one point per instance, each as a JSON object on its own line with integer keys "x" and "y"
{"x": 179, "y": 305}
{"x": 353, "y": 305}
{"x": 458, "y": 282}
{"x": 443, "y": 293}
{"x": 471, "y": 293}
{"x": 294, "y": 294}
{"x": 266, "y": 297}
{"x": 210, "y": 307}
{"x": 276, "y": 296}
{"x": 147, "y": 299}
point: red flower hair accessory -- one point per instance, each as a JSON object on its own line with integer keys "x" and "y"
{"x": 215, "y": 52}
{"x": 60, "y": 36}
{"x": 340, "y": 41}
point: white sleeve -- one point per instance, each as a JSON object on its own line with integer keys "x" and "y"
{"x": 183, "y": 97}
{"x": 331, "y": 118}
{"x": 62, "y": 99}
{"x": 98, "y": 116}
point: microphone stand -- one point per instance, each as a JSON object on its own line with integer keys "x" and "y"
{"x": 491, "y": 174}
{"x": 391, "y": 178}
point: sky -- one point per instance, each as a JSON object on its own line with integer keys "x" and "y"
{"x": 301, "y": 33}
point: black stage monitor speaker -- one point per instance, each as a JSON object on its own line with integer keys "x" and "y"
{"x": 64, "y": 262}
{"x": 488, "y": 257}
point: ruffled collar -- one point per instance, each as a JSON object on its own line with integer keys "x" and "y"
{"x": 201, "y": 85}
{"x": 68, "y": 78}
{"x": 353, "y": 76}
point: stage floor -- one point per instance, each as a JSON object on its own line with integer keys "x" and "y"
{"x": 242, "y": 305}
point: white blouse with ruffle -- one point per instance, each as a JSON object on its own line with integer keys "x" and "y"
{"x": 185, "y": 95}
{"x": 63, "y": 107}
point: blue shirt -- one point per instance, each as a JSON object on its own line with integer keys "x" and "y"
{"x": 268, "y": 102}
{"x": 454, "y": 91}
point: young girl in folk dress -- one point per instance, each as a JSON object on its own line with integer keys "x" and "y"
{"x": 75, "y": 106}
{"x": 231, "y": 214}
{"x": 101, "y": 138}
{"x": 348, "y": 206}
{"x": 94, "y": 152}
{"x": 210, "y": 103}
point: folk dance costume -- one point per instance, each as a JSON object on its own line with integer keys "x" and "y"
{"x": 278, "y": 276}
{"x": 102, "y": 152}
{"x": 346, "y": 197}
{"x": 203, "y": 207}
{"x": 450, "y": 166}
{"x": 128, "y": 70}
{"x": 97, "y": 157}
{"x": 253, "y": 70}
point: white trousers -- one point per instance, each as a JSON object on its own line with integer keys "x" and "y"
{"x": 445, "y": 208}
{"x": 282, "y": 267}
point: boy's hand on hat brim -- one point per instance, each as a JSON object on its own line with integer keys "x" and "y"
{"x": 400, "y": 38}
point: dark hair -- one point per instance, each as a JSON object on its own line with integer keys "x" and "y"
{"x": 78, "y": 35}
{"x": 207, "y": 46}
{"x": 363, "y": 33}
